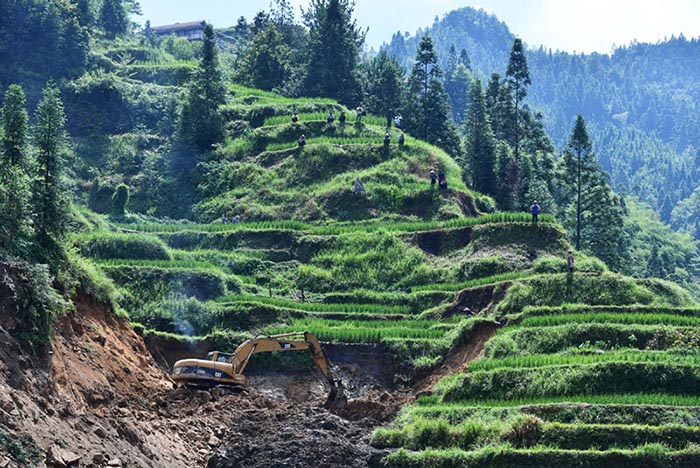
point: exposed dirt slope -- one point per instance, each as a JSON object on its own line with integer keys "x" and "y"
{"x": 99, "y": 399}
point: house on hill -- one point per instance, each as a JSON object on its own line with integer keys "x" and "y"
{"x": 193, "y": 31}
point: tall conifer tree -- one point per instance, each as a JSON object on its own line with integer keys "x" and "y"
{"x": 333, "y": 51}
{"x": 479, "y": 144}
{"x": 15, "y": 211}
{"x": 51, "y": 202}
{"x": 517, "y": 81}
{"x": 201, "y": 122}
{"x": 113, "y": 18}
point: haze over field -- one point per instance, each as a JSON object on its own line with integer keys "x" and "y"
{"x": 593, "y": 26}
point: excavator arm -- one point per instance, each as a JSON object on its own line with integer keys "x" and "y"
{"x": 283, "y": 342}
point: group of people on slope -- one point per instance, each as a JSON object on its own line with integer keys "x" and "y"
{"x": 235, "y": 220}
{"x": 387, "y": 139}
{"x": 438, "y": 178}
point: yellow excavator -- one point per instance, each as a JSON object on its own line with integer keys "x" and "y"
{"x": 227, "y": 368}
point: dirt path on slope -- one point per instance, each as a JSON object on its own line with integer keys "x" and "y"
{"x": 458, "y": 359}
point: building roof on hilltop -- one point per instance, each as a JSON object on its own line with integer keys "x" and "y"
{"x": 179, "y": 26}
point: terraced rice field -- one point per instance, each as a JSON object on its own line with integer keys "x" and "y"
{"x": 587, "y": 392}
{"x": 590, "y": 369}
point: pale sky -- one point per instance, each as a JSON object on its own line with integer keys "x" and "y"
{"x": 570, "y": 25}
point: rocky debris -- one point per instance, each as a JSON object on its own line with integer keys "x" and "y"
{"x": 56, "y": 457}
{"x": 297, "y": 437}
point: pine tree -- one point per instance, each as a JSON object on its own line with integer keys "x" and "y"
{"x": 580, "y": 167}
{"x": 427, "y": 103}
{"x": 15, "y": 126}
{"x": 51, "y": 201}
{"x": 113, "y": 18}
{"x": 457, "y": 86}
{"x": 385, "y": 84}
{"x": 479, "y": 144}
{"x": 593, "y": 211}
{"x": 498, "y": 106}
{"x": 85, "y": 13}
{"x": 266, "y": 63}
{"x": 333, "y": 51}
{"x": 464, "y": 59}
{"x": 517, "y": 81}
{"x": 15, "y": 211}
{"x": 200, "y": 121}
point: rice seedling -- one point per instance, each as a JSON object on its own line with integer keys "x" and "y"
{"x": 541, "y": 360}
{"x": 364, "y": 331}
{"x": 649, "y": 399}
{"x": 638, "y": 318}
{"x": 339, "y": 228}
{"x": 472, "y": 283}
{"x": 319, "y": 306}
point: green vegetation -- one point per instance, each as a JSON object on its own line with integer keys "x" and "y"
{"x": 611, "y": 378}
{"x": 168, "y": 143}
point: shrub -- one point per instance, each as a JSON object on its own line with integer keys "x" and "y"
{"x": 120, "y": 199}
{"x": 524, "y": 432}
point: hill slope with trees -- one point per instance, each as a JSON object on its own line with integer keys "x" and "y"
{"x": 640, "y": 102}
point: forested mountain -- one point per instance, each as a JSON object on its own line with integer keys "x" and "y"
{"x": 641, "y": 102}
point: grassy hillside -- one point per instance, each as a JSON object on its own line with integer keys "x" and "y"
{"x": 591, "y": 368}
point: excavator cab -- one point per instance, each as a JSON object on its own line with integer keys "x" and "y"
{"x": 227, "y": 368}
{"x": 218, "y": 356}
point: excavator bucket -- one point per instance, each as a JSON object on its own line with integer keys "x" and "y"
{"x": 336, "y": 398}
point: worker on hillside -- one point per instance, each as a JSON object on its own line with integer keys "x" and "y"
{"x": 236, "y": 219}
{"x": 535, "y": 210}
{"x": 359, "y": 186}
{"x": 442, "y": 180}
{"x": 570, "y": 261}
{"x": 295, "y": 117}
{"x": 388, "y": 118}
{"x": 302, "y": 141}
{"x": 360, "y": 112}
{"x": 402, "y": 139}
{"x": 398, "y": 121}
{"x": 387, "y": 140}
{"x": 433, "y": 179}
{"x": 342, "y": 118}
{"x": 330, "y": 117}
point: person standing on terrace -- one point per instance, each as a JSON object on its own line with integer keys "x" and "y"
{"x": 535, "y": 210}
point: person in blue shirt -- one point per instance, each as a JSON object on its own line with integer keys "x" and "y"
{"x": 535, "y": 210}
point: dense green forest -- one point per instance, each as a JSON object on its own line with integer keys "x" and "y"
{"x": 640, "y": 103}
